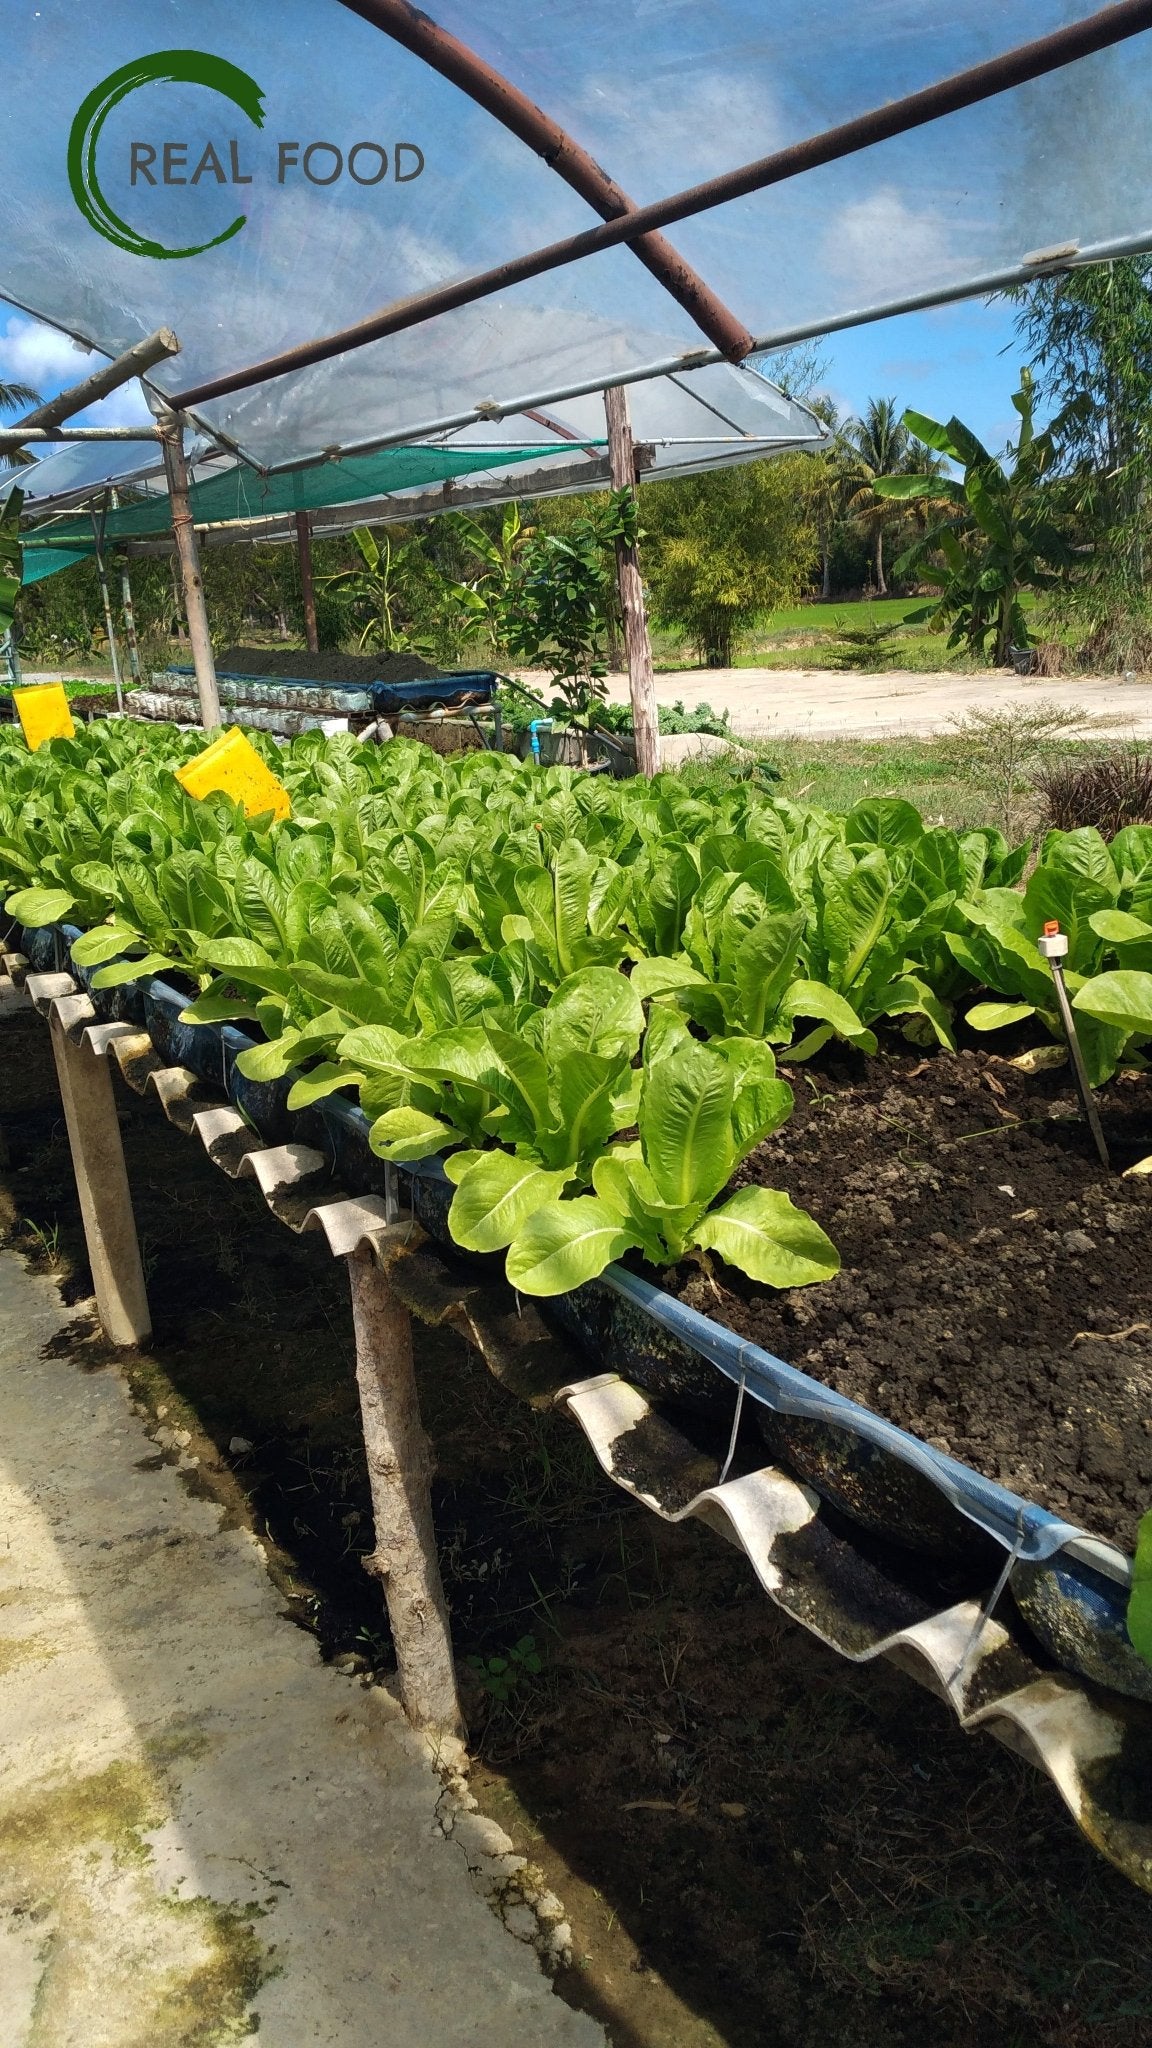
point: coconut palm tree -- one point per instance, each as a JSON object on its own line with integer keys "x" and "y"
{"x": 833, "y": 485}
{"x": 16, "y": 398}
{"x": 879, "y": 444}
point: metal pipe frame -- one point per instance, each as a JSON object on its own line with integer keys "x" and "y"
{"x": 444, "y": 53}
{"x": 991, "y": 282}
{"x": 969, "y": 88}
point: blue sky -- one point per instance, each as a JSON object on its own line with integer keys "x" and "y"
{"x": 959, "y": 359}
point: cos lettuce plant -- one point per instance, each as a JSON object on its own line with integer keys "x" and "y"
{"x": 555, "y": 1083}
{"x": 702, "y": 1110}
{"x": 1082, "y": 886}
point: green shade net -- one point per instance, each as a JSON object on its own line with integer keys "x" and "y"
{"x": 41, "y": 561}
{"x": 242, "y": 493}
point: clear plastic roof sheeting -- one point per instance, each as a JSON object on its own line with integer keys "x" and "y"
{"x": 257, "y": 177}
{"x": 704, "y": 419}
{"x": 72, "y": 473}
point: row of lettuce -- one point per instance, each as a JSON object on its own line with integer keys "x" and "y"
{"x": 574, "y": 989}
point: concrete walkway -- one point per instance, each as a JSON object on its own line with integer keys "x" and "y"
{"x": 824, "y": 703}
{"x": 202, "y": 1828}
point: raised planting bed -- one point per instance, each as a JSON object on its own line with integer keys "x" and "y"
{"x": 899, "y": 1550}
{"x": 995, "y": 1294}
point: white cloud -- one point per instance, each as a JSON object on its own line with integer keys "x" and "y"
{"x": 879, "y": 245}
{"x": 31, "y": 353}
{"x": 127, "y": 407}
{"x": 695, "y": 124}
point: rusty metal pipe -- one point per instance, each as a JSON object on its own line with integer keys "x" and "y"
{"x": 444, "y": 53}
{"x": 948, "y": 96}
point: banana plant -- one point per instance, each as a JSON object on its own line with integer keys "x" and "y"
{"x": 1003, "y": 532}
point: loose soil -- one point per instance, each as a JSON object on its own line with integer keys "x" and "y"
{"x": 326, "y": 667}
{"x": 995, "y": 1295}
{"x": 756, "y": 1843}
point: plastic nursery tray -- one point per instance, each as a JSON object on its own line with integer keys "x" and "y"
{"x": 1070, "y": 1586}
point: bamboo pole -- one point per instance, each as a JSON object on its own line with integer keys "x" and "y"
{"x": 134, "y": 362}
{"x": 641, "y": 678}
{"x": 307, "y": 586}
{"x": 102, "y": 572}
{"x": 184, "y": 531}
{"x": 399, "y": 1474}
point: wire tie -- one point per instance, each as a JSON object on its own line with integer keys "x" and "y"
{"x": 986, "y": 1611}
{"x": 735, "y": 1427}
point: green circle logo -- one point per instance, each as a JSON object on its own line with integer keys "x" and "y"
{"x": 164, "y": 67}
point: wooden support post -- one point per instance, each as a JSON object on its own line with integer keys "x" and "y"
{"x": 307, "y": 587}
{"x": 641, "y": 679}
{"x": 188, "y": 554}
{"x": 102, "y": 1185}
{"x": 399, "y": 1473}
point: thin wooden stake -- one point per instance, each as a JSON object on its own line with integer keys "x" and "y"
{"x": 188, "y": 554}
{"x": 399, "y": 1473}
{"x": 641, "y": 678}
{"x": 307, "y": 587}
{"x": 128, "y": 610}
{"x": 102, "y": 573}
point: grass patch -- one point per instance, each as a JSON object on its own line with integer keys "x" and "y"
{"x": 813, "y": 636}
{"x": 937, "y": 775}
{"x": 952, "y": 778}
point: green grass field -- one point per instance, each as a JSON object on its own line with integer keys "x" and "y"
{"x": 829, "y": 619}
{"x": 811, "y": 636}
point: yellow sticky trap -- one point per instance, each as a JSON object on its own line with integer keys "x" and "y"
{"x": 232, "y": 764}
{"x": 42, "y": 709}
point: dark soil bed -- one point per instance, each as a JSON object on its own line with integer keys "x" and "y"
{"x": 757, "y": 1844}
{"x": 996, "y": 1289}
{"x": 326, "y": 667}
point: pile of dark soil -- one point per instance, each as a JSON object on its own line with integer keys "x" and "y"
{"x": 756, "y": 1843}
{"x": 444, "y": 736}
{"x": 996, "y": 1289}
{"x": 325, "y": 667}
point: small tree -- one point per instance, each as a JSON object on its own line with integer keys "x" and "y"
{"x": 11, "y": 569}
{"x": 555, "y": 608}
{"x": 999, "y": 537}
{"x": 729, "y": 547}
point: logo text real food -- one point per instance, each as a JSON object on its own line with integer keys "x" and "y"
{"x": 171, "y": 160}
